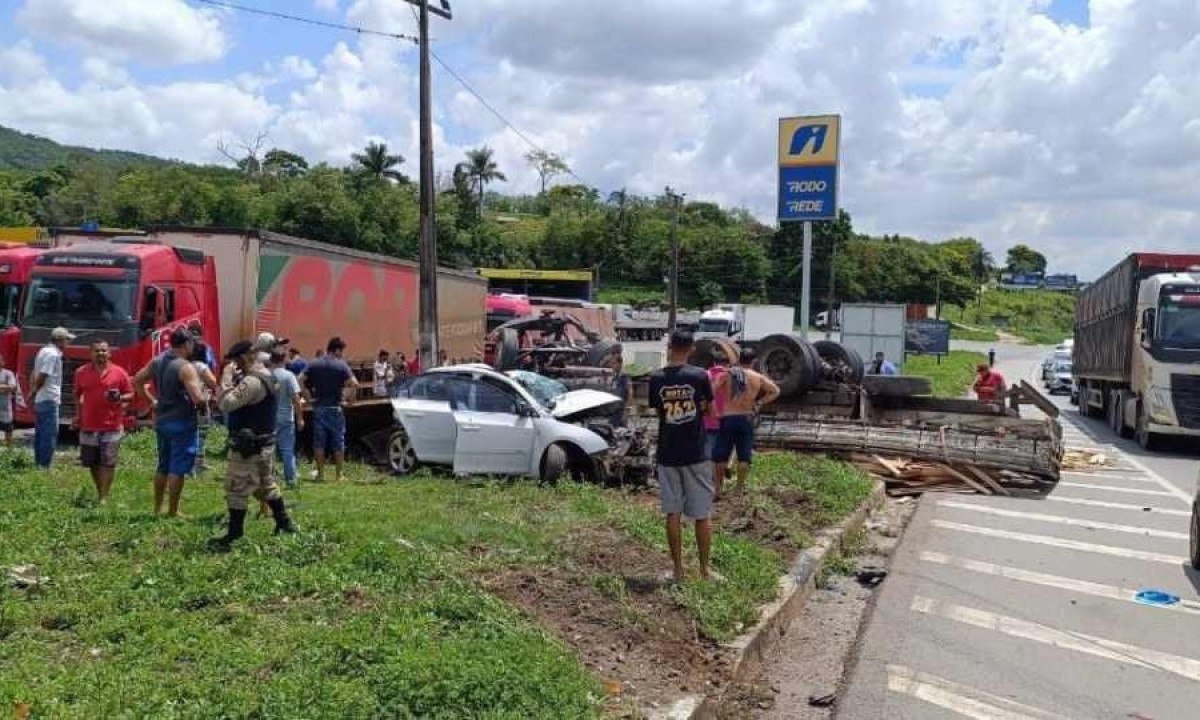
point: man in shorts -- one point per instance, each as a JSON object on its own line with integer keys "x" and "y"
{"x": 740, "y": 392}
{"x": 681, "y": 393}
{"x": 324, "y": 384}
{"x": 102, "y": 392}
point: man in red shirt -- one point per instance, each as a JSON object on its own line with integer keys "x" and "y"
{"x": 102, "y": 391}
{"x": 989, "y": 385}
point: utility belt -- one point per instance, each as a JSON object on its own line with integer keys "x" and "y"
{"x": 247, "y": 443}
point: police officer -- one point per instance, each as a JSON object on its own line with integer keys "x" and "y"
{"x": 250, "y": 410}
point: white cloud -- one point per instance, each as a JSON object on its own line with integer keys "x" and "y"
{"x": 326, "y": 5}
{"x": 155, "y": 32}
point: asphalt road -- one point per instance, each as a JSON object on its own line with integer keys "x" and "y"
{"x": 1022, "y": 608}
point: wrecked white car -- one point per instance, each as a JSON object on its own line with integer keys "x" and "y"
{"x": 478, "y": 421}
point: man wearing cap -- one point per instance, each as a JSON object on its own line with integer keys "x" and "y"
{"x": 45, "y": 385}
{"x": 179, "y": 394}
{"x": 263, "y": 346}
{"x": 250, "y": 408}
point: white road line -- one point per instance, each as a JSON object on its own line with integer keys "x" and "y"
{"x": 1145, "y": 509}
{"x": 1108, "y": 476}
{"x": 1061, "y": 543}
{"x": 1058, "y": 519}
{"x": 960, "y": 699}
{"x": 1109, "y": 488}
{"x": 1139, "y": 465}
{"x": 1085, "y": 587}
{"x": 1077, "y": 642}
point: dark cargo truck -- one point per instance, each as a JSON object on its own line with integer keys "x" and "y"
{"x": 1137, "y": 347}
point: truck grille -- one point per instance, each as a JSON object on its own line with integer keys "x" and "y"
{"x": 1185, "y": 396}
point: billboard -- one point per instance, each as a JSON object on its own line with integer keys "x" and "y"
{"x": 927, "y": 337}
{"x": 808, "y": 167}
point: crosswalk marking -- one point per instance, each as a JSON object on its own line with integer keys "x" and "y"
{"x": 1185, "y": 497}
{"x": 1076, "y": 642}
{"x": 1110, "y": 488}
{"x": 1145, "y": 509}
{"x": 960, "y": 699}
{"x": 1109, "y": 476}
{"x": 1059, "y": 520}
{"x": 1085, "y": 587}
{"x": 1060, "y": 542}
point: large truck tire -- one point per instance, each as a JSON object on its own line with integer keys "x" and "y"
{"x": 846, "y": 363}
{"x": 897, "y": 385}
{"x": 790, "y": 362}
{"x": 708, "y": 351}
{"x": 1145, "y": 439}
{"x": 600, "y": 351}
{"x": 1194, "y": 537}
{"x": 508, "y": 349}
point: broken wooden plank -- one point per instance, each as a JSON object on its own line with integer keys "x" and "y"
{"x": 1038, "y": 399}
{"x": 988, "y": 480}
{"x": 983, "y": 489}
{"x": 895, "y": 471}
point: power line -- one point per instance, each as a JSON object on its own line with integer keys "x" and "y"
{"x": 308, "y": 20}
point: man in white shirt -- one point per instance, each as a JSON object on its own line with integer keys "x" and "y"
{"x": 45, "y": 384}
{"x": 384, "y": 374}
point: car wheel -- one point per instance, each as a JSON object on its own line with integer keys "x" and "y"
{"x": 402, "y": 459}
{"x": 554, "y": 464}
{"x": 1194, "y": 537}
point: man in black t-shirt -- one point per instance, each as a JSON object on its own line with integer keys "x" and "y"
{"x": 682, "y": 394}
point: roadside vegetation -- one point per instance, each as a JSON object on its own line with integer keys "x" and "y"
{"x": 421, "y": 597}
{"x": 967, "y": 332}
{"x": 1040, "y": 317}
{"x": 952, "y": 377}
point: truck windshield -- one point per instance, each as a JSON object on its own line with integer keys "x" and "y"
{"x": 9, "y": 306}
{"x": 1179, "y": 321}
{"x": 714, "y": 325}
{"x": 85, "y": 303}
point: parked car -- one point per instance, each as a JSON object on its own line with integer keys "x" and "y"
{"x": 476, "y": 420}
{"x": 1051, "y": 362}
{"x": 1061, "y": 379}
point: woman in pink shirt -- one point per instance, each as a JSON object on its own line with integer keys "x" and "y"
{"x": 712, "y": 421}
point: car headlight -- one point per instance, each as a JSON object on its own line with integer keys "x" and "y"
{"x": 1160, "y": 406}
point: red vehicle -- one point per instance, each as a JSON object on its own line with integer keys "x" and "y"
{"x": 129, "y": 292}
{"x": 16, "y": 262}
{"x": 133, "y": 291}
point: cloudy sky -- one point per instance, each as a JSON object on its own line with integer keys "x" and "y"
{"x": 1071, "y": 125}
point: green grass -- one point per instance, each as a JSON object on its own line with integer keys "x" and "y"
{"x": 952, "y": 377}
{"x": 963, "y": 332}
{"x": 376, "y": 609}
{"x": 1039, "y": 316}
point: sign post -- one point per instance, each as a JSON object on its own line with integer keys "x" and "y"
{"x": 808, "y": 175}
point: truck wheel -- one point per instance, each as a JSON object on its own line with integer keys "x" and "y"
{"x": 791, "y": 363}
{"x": 846, "y": 362}
{"x": 599, "y": 352}
{"x": 554, "y": 465}
{"x": 401, "y": 458}
{"x": 1114, "y": 412}
{"x": 508, "y": 349}
{"x": 707, "y": 351}
{"x": 1194, "y": 537}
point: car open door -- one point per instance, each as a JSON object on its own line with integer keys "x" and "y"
{"x": 496, "y": 430}
{"x": 428, "y": 418}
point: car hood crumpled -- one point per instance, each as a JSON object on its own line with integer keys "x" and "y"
{"x": 579, "y": 404}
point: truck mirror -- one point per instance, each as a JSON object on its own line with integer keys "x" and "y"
{"x": 1148, "y": 319}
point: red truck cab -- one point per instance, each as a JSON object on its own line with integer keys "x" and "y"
{"x": 130, "y": 292}
{"x": 16, "y": 262}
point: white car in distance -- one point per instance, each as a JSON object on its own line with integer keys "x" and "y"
{"x": 478, "y": 421}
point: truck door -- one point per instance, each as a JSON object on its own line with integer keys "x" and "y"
{"x": 496, "y": 431}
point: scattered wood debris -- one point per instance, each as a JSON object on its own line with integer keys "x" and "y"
{"x": 1084, "y": 459}
{"x": 908, "y": 476}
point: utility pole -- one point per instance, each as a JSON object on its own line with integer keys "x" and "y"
{"x": 673, "y": 311}
{"x": 830, "y": 295}
{"x": 806, "y": 283}
{"x": 427, "y": 349}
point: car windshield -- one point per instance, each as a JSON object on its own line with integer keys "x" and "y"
{"x": 543, "y": 389}
{"x": 1062, "y": 367}
{"x": 1179, "y": 321}
{"x": 85, "y": 303}
{"x": 9, "y": 295}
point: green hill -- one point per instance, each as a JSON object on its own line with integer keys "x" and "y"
{"x": 1039, "y": 316}
{"x": 23, "y": 151}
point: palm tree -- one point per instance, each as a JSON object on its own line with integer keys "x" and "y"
{"x": 482, "y": 169}
{"x": 375, "y": 162}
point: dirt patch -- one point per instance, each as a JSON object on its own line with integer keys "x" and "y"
{"x": 776, "y": 517}
{"x": 609, "y": 604}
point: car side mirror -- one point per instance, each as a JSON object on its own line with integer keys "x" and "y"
{"x": 527, "y": 411}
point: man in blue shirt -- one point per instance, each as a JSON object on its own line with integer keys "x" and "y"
{"x": 324, "y": 383}
{"x": 881, "y": 366}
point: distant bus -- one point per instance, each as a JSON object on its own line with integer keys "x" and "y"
{"x": 571, "y": 284}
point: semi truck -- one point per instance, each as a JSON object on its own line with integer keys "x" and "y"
{"x": 133, "y": 291}
{"x": 1136, "y": 358}
{"x": 745, "y": 324}
{"x": 16, "y": 262}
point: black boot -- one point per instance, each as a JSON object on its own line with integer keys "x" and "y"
{"x": 237, "y": 528}
{"x": 283, "y": 523}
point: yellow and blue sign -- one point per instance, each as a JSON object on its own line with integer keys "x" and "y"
{"x": 808, "y": 167}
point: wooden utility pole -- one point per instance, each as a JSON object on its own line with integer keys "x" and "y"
{"x": 673, "y": 311}
{"x": 829, "y": 314}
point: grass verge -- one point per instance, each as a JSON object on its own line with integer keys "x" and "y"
{"x": 964, "y": 332}
{"x": 385, "y": 605}
{"x": 1040, "y": 316}
{"x": 952, "y": 377}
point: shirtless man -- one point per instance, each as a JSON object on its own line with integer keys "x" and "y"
{"x": 739, "y": 392}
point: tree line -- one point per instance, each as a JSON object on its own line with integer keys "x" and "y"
{"x": 370, "y": 204}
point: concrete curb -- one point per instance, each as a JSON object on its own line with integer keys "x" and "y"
{"x": 751, "y": 648}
